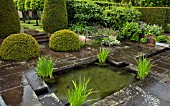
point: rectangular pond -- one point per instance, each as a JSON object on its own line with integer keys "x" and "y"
{"x": 104, "y": 79}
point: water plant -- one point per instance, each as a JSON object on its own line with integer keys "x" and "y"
{"x": 44, "y": 67}
{"x": 103, "y": 55}
{"x": 144, "y": 66}
{"x": 78, "y": 95}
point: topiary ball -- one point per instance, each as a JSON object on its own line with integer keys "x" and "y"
{"x": 19, "y": 47}
{"x": 64, "y": 40}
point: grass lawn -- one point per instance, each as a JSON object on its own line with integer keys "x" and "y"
{"x": 31, "y": 25}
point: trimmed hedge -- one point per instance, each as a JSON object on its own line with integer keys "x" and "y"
{"x": 54, "y": 16}
{"x": 9, "y": 19}
{"x": 155, "y": 15}
{"x": 19, "y": 47}
{"x": 64, "y": 40}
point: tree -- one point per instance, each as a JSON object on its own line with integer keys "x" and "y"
{"x": 15, "y": 2}
{"x": 21, "y": 7}
{"x": 9, "y": 19}
{"x": 54, "y": 16}
{"x": 28, "y": 8}
{"x": 37, "y": 5}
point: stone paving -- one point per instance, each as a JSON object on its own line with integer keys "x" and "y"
{"x": 16, "y": 78}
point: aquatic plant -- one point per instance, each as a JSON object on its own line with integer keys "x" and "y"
{"x": 144, "y": 66}
{"x": 45, "y": 67}
{"x": 102, "y": 56}
{"x": 78, "y": 95}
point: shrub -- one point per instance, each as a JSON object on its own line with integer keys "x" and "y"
{"x": 144, "y": 66}
{"x": 116, "y": 17}
{"x": 45, "y": 67}
{"x": 162, "y": 38}
{"x": 143, "y": 40}
{"x": 19, "y": 47}
{"x": 154, "y": 30}
{"x": 54, "y": 16}
{"x": 89, "y": 12}
{"x": 155, "y": 15}
{"x": 86, "y": 13}
{"x": 64, "y": 40}
{"x": 9, "y": 19}
{"x": 131, "y": 31}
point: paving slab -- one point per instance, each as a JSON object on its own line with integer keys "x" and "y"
{"x": 12, "y": 80}
{"x": 21, "y": 96}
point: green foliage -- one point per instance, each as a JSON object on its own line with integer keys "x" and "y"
{"x": 64, "y": 40}
{"x": 154, "y": 3}
{"x": 155, "y": 15}
{"x": 102, "y": 56}
{"x": 87, "y": 12}
{"x": 19, "y": 47}
{"x": 131, "y": 31}
{"x": 37, "y": 5}
{"x": 162, "y": 38}
{"x": 78, "y": 95}
{"x": 79, "y": 28}
{"x": 125, "y": 1}
{"x": 9, "y": 19}
{"x": 111, "y": 40}
{"x": 15, "y": 3}
{"x": 45, "y": 67}
{"x": 116, "y": 17}
{"x": 20, "y": 5}
{"x": 143, "y": 40}
{"x": 154, "y": 30}
{"x": 54, "y": 16}
{"x": 27, "y": 5}
{"x": 144, "y": 66}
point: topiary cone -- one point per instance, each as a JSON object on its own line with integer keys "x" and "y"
{"x": 9, "y": 19}
{"x": 54, "y": 16}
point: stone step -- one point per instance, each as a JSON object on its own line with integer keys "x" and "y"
{"x": 41, "y": 37}
{"x": 50, "y": 100}
{"x": 42, "y": 40}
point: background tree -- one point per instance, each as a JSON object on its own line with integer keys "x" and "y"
{"x": 37, "y": 5}
{"x": 21, "y": 7}
{"x": 15, "y": 2}
{"x": 54, "y": 16}
{"x": 9, "y": 19}
{"x": 28, "y": 8}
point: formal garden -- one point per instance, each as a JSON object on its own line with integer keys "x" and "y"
{"x": 84, "y": 53}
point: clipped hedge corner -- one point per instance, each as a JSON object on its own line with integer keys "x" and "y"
{"x": 64, "y": 40}
{"x": 19, "y": 47}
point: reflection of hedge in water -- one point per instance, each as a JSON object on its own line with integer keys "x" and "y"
{"x": 9, "y": 19}
{"x": 19, "y": 47}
